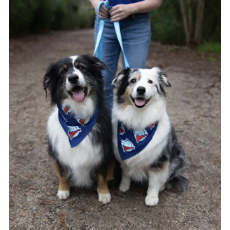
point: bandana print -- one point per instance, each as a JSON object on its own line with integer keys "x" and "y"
{"x": 76, "y": 128}
{"x": 82, "y": 121}
{"x": 67, "y": 110}
{"x": 131, "y": 142}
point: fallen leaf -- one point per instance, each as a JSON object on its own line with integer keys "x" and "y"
{"x": 62, "y": 220}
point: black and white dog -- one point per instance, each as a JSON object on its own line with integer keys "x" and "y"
{"x": 145, "y": 143}
{"x": 79, "y": 128}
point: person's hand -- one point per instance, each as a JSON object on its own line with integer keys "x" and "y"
{"x": 120, "y": 12}
{"x": 103, "y": 12}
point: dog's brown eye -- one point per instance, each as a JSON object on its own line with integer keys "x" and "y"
{"x": 150, "y": 82}
{"x": 133, "y": 81}
{"x": 64, "y": 70}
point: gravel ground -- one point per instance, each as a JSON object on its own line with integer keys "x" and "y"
{"x": 194, "y": 107}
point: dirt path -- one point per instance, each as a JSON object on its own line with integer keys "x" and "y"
{"x": 194, "y": 107}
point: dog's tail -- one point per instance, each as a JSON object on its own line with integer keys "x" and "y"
{"x": 178, "y": 183}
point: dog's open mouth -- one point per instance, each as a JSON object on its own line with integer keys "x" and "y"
{"x": 140, "y": 102}
{"x": 78, "y": 93}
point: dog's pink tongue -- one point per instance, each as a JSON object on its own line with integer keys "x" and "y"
{"x": 78, "y": 95}
{"x": 139, "y": 101}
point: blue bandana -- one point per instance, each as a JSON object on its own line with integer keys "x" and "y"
{"x": 131, "y": 142}
{"x": 76, "y": 128}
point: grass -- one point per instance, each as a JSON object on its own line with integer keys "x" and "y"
{"x": 212, "y": 59}
{"x": 210, "y": 47}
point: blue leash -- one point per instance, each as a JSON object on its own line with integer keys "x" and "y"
{"x": 99, "y": 41}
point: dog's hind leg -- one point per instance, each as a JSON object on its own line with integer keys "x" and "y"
{"x": 110, "y": 172}
{"x": 102, "y": 189}
{"x": 64, "y": 186}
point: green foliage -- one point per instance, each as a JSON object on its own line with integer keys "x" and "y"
{"x": 43, "y": 16}
{"x": 21, "y": 14}
{"x": 32, "y": 16}
{"x": 212, "y": 21}
{"x": 167, "y": 25}
{"x": 85, "y": 17}
{"x": 210, "y": 47}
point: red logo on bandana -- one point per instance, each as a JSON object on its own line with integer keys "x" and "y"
{"x": 152, "y": 125}
{"x": 127, "y": 145}
{"x": 82, "y": 121}
{"x": 140, "y": 135}
{"x": 73, "y": 131}
{"x": 67, "y": 110}
{"x": 122, "y": 129}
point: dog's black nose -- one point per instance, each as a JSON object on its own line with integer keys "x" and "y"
{"x": 73, "y": 78}
{"x": 141, "y": 90}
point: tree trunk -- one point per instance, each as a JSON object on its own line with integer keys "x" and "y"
{"x": 199, "y": 21}
{"x": 185, "y": 22}
{"x": 190, "y": 17}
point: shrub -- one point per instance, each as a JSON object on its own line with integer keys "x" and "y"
{"x": 86, "y": 17}
{"x": 167, "y": 25}
{"x": 32, "y": 16}
{"x": 21, "y": 14}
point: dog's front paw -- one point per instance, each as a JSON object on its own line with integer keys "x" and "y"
{"x": 63, "y": 194}
{"x": 124, "y": 187}
{"x": 104, "y": 198}
{"x": 151, "y": 200}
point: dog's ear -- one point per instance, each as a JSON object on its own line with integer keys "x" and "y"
{"x": 100, "y": 65}
{"x": 162, "y": 80}
{"x": 97, "y": 62}
{"x": 120, "y": 76}
{"x": 48, "y": 76}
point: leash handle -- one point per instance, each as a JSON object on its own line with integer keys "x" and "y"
{"x": 99, "y": 40}
{"x": 107, "y": 6}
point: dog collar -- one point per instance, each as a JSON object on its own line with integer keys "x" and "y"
{"x": 131, "y": 142}
{"x": 76, "y": 128}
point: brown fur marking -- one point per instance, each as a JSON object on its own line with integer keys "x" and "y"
{"x": 127, "y": 94}
{"x": 160, "y": 169}
{"x": 137, "y": 75}
{"x": 110, "y": 172}
{"x": 129, "y": 91}
{"x": 102, "y": 186}
{"x": 63, "y": 182}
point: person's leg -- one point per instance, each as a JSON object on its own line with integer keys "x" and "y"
{"x": 136, "y": 36}
{"x": 110, "y": 55}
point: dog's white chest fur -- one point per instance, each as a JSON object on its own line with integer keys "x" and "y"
{"x": 137, "y": 165}
{"x": 81, "y": 159}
